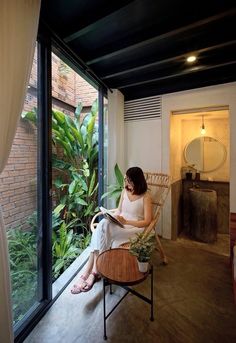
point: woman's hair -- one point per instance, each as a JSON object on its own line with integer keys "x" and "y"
{"x": 135, "y": 175}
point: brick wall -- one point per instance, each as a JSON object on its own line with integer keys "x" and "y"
{"x": 18, "y": 180}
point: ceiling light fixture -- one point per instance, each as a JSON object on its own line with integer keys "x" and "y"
{"x": 203, "y": 130}
{"x": 191, "y": 59}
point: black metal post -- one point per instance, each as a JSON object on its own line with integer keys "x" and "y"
{"x": 100, "y": 144}
{"x": 44, "y": 173}
{"x": 152, "y": 316}
{"x": 110, "y": 288}
{"x": 104, "y": 309}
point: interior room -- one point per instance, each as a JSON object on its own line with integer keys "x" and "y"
{"x": 203, "y": 167}
{"x": 90, "y": 89}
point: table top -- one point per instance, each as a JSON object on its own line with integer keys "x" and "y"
{"x": 120, "y": 267}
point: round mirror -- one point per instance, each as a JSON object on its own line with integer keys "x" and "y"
{"x": 205, "y": 154}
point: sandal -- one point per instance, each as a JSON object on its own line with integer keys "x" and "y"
{"x": 78, "y": 288}
{"x": 89, "y": 285}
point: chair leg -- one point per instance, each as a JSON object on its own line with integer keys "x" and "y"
{"x": 162, "y": 253}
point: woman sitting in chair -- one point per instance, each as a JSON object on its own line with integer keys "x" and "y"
{"x": 134, "y": 212}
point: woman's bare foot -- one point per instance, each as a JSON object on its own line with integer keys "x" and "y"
{"x": 79, "y": 286}
{"x": 90, "y": 281}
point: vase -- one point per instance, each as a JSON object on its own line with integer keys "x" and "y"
{"x": 197, "y": 176}
{"x": 188, "y": 176}
{"x": 143, "y": 267}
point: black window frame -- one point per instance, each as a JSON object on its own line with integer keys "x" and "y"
{"x": 48, "y": 43}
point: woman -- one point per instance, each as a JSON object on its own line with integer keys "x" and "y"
{"x": 134, "y": 212}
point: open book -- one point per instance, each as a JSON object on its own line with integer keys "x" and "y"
{"x": 109, "y": 215}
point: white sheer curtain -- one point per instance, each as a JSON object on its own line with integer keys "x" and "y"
{"x": 18, "y": 33}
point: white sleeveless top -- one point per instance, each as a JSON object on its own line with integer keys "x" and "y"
{"x": 132, "y": 210}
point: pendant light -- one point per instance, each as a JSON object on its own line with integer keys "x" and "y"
{"x": 203, "y": 130}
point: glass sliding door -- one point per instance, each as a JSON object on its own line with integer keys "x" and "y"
{"x": 74, "y": 165}
{"x": 25, "y": 198}
{"x": 19, "y": 193}
{"x": 41, "y": 194}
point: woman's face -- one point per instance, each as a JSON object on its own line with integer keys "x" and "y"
{"x": 129, "y": 185}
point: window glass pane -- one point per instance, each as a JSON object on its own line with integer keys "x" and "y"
{"x": 18, "y": 194}
{"x": 75, "y": 164}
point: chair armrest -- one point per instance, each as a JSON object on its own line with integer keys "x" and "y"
{"x": 93, "y": 224}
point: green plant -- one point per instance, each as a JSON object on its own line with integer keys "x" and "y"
{"x": 64, "y": 249}
{"x": 75, "y": 162}
{"x": 76, "y": 185}
{"x": 23, "y": 266}
{"x": 142, "y": 246}
{"x": 115, "y": 190}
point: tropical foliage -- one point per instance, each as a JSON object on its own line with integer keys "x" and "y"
{"x": 75, "y": 161}
{"x": 115, "y": 190}
{"x": 23, "y": 265}
{"x": 75, "y": 181}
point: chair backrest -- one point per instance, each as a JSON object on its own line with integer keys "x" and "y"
{"x": 159, "y": 186}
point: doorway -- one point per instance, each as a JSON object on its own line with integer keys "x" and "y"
{"x": 211, "y": 173}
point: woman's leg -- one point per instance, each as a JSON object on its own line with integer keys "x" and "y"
{"x": 101, "y": 240}
{"x": 93, "y": 276}
{"x": 81, "y": 283}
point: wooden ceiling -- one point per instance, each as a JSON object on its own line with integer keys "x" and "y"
{"x": 140, "y": 47}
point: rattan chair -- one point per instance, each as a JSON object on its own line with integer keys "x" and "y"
{"x": 159, "y": 186}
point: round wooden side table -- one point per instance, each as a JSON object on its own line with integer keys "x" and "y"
{"x": 118, "y": 266}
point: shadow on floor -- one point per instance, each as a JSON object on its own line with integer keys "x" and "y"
{"x": 193, "y": 304}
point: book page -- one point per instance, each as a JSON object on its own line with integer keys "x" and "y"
{"x": 109, "y": 215}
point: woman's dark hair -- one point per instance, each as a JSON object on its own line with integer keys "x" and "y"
{"x": 135, "y": 175}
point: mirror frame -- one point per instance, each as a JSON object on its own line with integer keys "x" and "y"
{"x": 210, "y": 170}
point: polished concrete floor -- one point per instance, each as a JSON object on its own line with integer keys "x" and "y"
{"x": 193, "y": 304}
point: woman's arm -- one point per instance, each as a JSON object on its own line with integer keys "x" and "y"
{"x": 147, "y": 203}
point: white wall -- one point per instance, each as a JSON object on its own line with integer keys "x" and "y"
{"x": 115, "y": 132}
{"x": 222, "y": 95}
{"x": 115, "y": 149}
{"x": 143, "y": 144}
{"x": 147, "y": 143}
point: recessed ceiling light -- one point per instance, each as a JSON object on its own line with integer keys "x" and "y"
{"x": 191, "y": 59}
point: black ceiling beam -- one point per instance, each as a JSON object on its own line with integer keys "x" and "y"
{"x": 167, "y": 60}
{"x": 185, "y": 83}
{"x": 182, "y": 73}
{"x": 169, "y": 34}
{"x": 71, "y": 56}
{"x": 95, "y": 25}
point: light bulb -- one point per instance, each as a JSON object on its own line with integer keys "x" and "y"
{"x": 203, "y": 130}
{"x": 191, "y": 59}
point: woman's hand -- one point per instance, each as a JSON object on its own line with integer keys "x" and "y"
{"x": 122, "y": 220}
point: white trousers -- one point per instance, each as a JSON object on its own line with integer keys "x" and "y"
{"x": 108, "y": 235}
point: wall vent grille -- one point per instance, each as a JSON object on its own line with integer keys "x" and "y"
{"x": 143, "y": 109}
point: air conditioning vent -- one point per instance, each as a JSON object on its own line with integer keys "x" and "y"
{"x": 143, "y": 109}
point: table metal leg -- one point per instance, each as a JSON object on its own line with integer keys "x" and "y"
{"x": 104, "y": 309}
{"x": 152, "y": 315}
